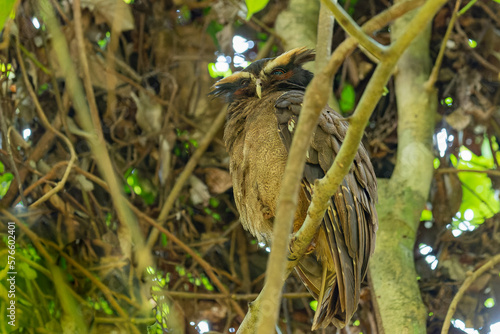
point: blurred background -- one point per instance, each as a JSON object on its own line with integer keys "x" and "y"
{"x": 151, "y": 65}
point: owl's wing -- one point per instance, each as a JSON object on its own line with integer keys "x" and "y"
{"x": 350, "y": 221}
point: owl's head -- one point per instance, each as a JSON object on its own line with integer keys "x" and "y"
{"x": 284, "y": 72}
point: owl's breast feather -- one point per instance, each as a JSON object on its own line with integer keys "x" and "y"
{"x": 257, "y": 163}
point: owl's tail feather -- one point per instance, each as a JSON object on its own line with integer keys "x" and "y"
{"x": 322, "y": 284}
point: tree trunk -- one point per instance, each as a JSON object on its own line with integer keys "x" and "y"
{"x": 392, "y": 272}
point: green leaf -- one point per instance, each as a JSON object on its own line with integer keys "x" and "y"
{"x": 255, "y": 6}
{"x": 164, "y": 240}
{"x": 314, "y": 305}
{"x": 386, "y": 91}
{"x": 185, "y": 12}
{"x": 206, "y": 283}
{"x": 5, "y": 181}
{"x": 26, "y": 271}
{"x": 212, "y": 29}
{"x": 214, "y": 73}
{"x": 347, "y": 98}
{"x": 486, "y": 150}
{"x": 262, "y": 36}
{"x": 426, "y": 215}
{"x": 478, "y": 193}
{"x": 489, "y": 303}
{"x": 5, "y": 10}
{"x": 7, "y": 177}
{"x": 453, "y": 160}
{"x": 436, "y": 163}
{"x": 472, "y": 43}
{"x": 214, "y": 202}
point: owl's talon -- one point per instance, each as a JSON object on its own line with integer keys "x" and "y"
{"x": 310, "y": 248}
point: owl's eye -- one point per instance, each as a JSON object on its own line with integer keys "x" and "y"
{"x": 244, "y": 82}
{"x": 278, "y": 71}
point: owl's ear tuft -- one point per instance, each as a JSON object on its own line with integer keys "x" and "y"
{"x": 301, "y": 55}
{"x": 227, "y": 87}
{"x": 223, "y": 90}
{"x": 290, "y": 59}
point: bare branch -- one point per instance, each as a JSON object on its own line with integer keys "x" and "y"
{"x": 316, "y": 96}
{"x": 352, "y": 28}
{"x": 467, "y": 283}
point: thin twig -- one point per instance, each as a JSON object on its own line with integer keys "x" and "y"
{"x": 13, "y": 165}
{"x": 326, "y": 23}
{"x": 70, "y": 308}
{"x": 44, "y": 144}
{"x": 49, "y": 127}
{"x": 32, "y": 235}
{"x": 95, "y": 138}
{"x": 248, "y": 296}
{"x": 353, "y": 29}
{"x": 87, "y": 81}
{"x": 35, "y": 61}
{"x": 465, "y": 286}
{"x": 490, "y": 13}
{"x": 455, "y": 171}
{"x": 42, "y": 251}
{"x": 466, "y": 7}
{"x": 376, "y": 23}
{"x": 110, "y": 64}
{"x": 435, "y": 70}
{"x": 96, "y": 282}
{"x": 204, "y": 264}
{"x": 315, "y": 99}
{"x": 188, "y": 170}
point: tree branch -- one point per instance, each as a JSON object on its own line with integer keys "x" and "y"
{"x": 326, "y": 23}
{"x": 467, "y": 283}
{"x": 95, "y": 137}
{"x": 352, "y": 28}
{"x": 188, "y": 170}
{"x": 429, "y": 84}
{"x": 48, "y": 126}
{"x": 395, "y": 290}
{"x": 304, "y": 236}
{"x": 316, "y": 95}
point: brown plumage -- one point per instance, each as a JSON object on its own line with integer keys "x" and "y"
{"x": 264, "y": 103}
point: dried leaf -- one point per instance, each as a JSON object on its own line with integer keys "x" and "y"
{"x": 217, "y": 180}
{"x": 165, "y": 160}
{"x": 455, "y": 269}
{"x": 83, "y": 183}
{"x": 458, "y": 119}
{"x": 149, "y": 113}
{"x": 199, "y": 191}
{"x": 108, "y": 10}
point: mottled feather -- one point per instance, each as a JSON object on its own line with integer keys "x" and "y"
{"x": 265, "y": 102}
{"x": 350, "y": 222}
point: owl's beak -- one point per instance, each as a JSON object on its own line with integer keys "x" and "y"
{"x": 258, "y": 88}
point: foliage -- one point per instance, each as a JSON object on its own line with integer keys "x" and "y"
{"x": 255, "y": 6}
{"x": 6, "y": 11}
{"x": 170, "y": 57}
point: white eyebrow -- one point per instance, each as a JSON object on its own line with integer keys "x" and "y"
{"x": 247, "y": 75}
{"x": 270, "y": 66}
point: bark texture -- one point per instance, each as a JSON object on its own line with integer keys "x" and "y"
{"x": 298, "y": 25}
{"x": 393, "y": 277}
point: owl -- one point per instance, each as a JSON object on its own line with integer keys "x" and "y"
{"x": 265, "y": 100}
